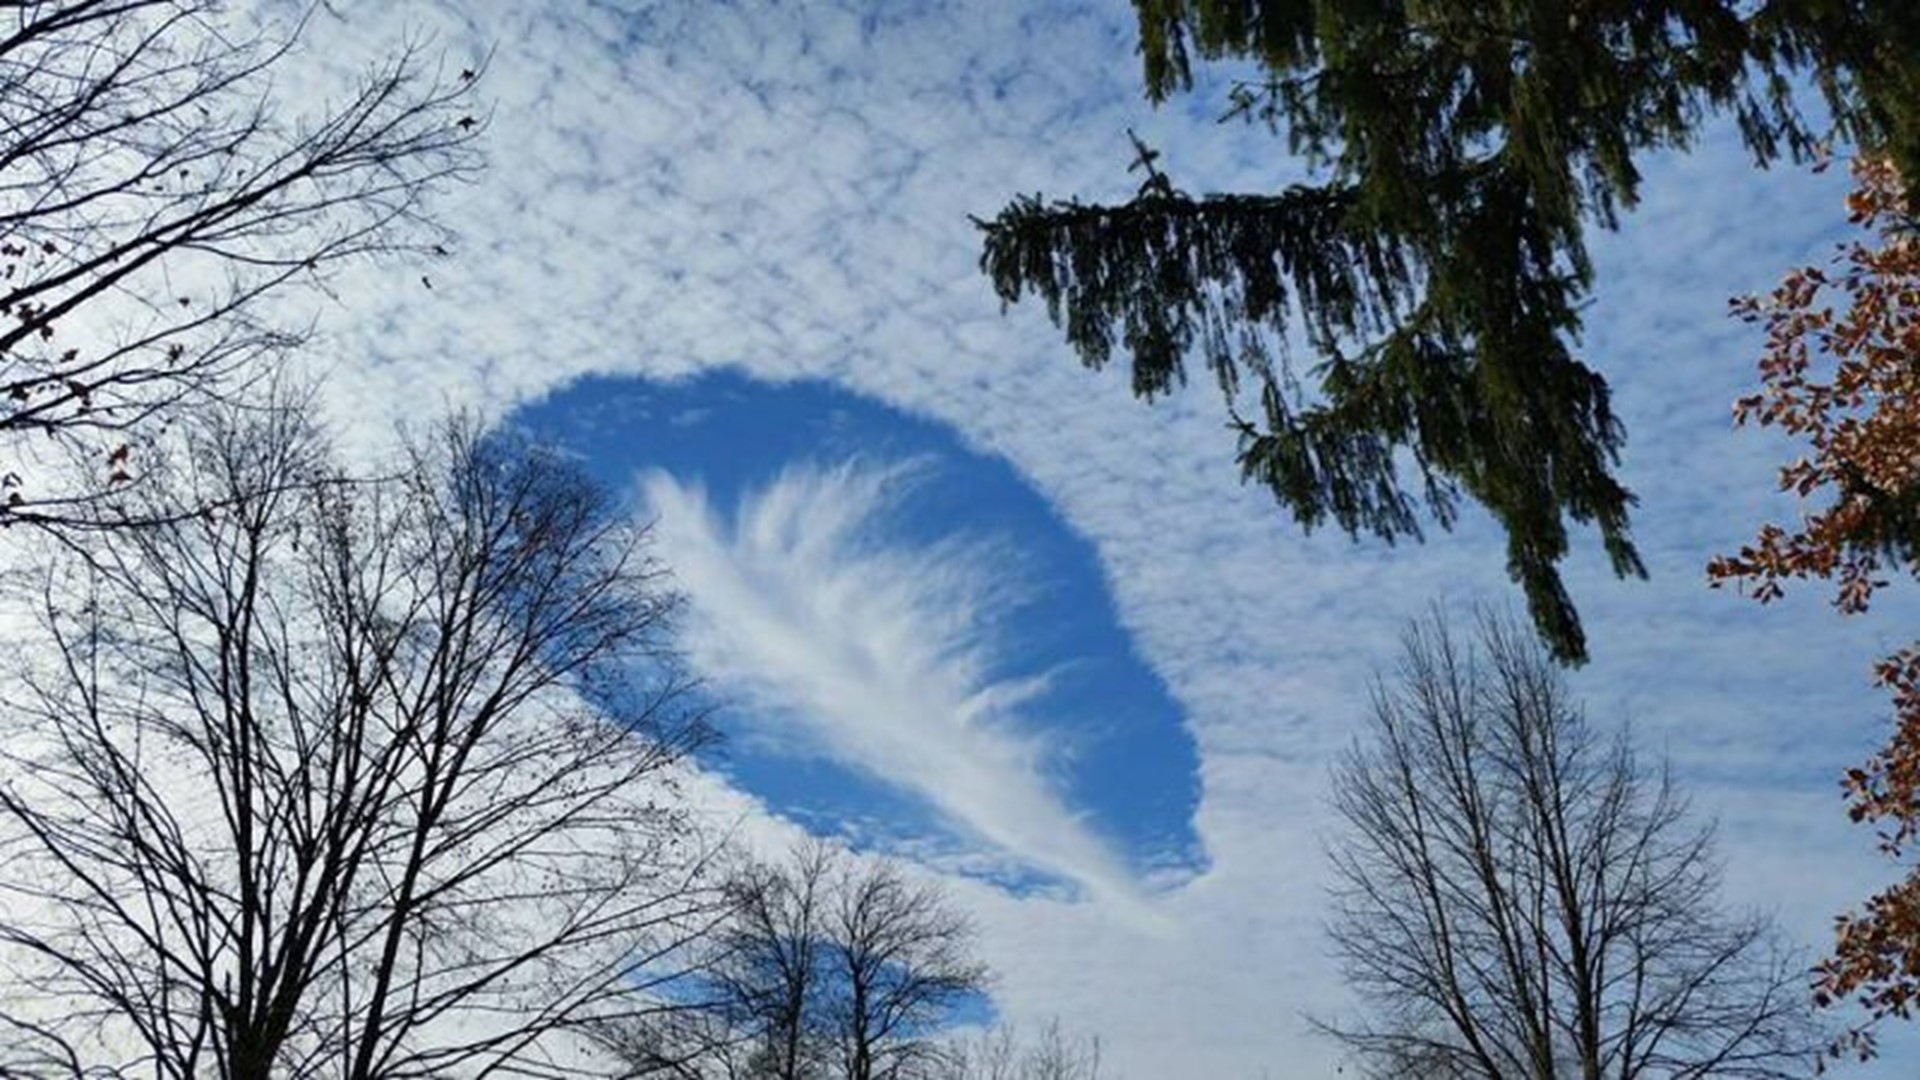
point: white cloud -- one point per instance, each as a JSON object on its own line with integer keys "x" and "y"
{"x": 879, "y": 655}
{"x": 784, "y": 188}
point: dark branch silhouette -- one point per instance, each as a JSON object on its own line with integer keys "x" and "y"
{"x": 156, "y": 192}
{"x": 826, "y": 967}
{"x": 347, "y": 779}
{"x": 1518, "y": 897}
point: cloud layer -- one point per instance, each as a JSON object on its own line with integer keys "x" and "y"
{"x": 783, "y": 189}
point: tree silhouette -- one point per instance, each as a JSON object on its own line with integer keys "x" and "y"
{"x": 1517, "y": 896}
{"x": 827, "y": 967}
{"x": 1438, "y": 272}
{"x": 157, "y": 190}
{"x": 345, "y": 779}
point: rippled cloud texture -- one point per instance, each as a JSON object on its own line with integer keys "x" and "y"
{"x": 782, "y": 190}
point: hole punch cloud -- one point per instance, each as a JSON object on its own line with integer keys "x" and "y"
{"x": 883, "y": 655}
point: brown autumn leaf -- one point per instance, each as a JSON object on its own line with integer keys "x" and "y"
{"x": 1841, "y": 372}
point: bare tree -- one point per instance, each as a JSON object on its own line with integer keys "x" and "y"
{"x": 1518, "y": 897}
{"x": 755, "y": 1010}
{"x": 828, "y": 966}
{"x": 994, "y": 1054}
{"x": 775, "y": 975}
{"x": 155, "y": 191}
{"x": 900, "y": 954}
{"x": 344, "y": 779}
{"x": 1000, "y": 1054}
{"x": 697, "y": 1039}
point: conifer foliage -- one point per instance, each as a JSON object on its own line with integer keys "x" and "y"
{"x": 1438, "y": 270}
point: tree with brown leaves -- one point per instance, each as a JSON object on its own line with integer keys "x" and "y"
{"x": 1839, "y": 374}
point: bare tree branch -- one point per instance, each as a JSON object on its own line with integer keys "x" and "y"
{"x": 364, "y": 780}
{"x": 1518, "y": 897}
{"x": 828, "y": 966}
{"x": 155, "y": 195}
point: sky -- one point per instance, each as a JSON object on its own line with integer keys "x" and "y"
{"x": 960, "y": 600}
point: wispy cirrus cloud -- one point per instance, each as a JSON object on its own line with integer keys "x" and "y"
{"x": 883, "y": 655}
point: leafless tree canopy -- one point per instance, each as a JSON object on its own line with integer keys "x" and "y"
{"x": 900, "y": 961}
{"x": 827, "y": 967}
{"x": 1000, "y": 1054}
{"x": 775, "y": 970}
{"x": 154, "y": 191}
{"x": 346, "y": 779}
{"x": 1520, "y": 899}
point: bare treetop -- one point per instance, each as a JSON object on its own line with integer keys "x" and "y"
{"x": 155, "y": 190}
{"x": 347, "y": 780}
{"x": 1519, "y": 897}
{"x": 828, "y": 967}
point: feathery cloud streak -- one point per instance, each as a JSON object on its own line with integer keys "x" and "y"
{"x": 884, "y": 657}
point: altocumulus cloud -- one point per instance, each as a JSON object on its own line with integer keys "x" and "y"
{"x": 877, "y": 653}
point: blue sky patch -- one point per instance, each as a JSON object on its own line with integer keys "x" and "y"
{"x": 1116, "y": 752}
